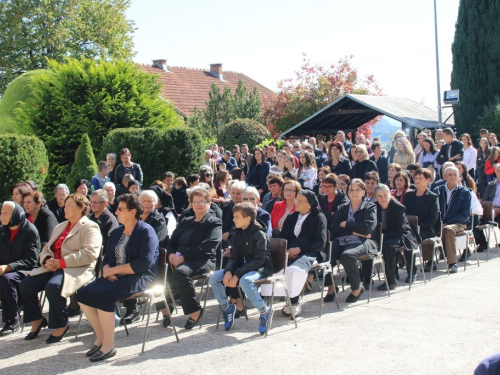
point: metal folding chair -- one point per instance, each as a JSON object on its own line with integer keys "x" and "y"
{"x": 468, "y": 233}
{"x": 280, "y": 262}
{"x": 489, "y": 226}
{"x": 413, "y": 221}
{"x": 326, "y": 268}
{"x": 376, "y": 259}
{"x": 437, "y": 243}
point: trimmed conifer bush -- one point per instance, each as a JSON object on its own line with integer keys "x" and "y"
{"x": 85, "y": 165}
{"x": 243, "y": 130}
{"x": 21, "y": 158}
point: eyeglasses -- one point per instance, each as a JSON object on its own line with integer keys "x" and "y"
{"x": 208, "y": 175}
{"x": 91, "y": 202}
{"x": 341, "y": 184}
{"x": 327, "y": 186}
{"x": 121, "y": 209}
{"x": 250, "y": 199}
{"x": 199, "y": 203}
{"x": 359, "y": 152}
{"x": 289, "y": 190}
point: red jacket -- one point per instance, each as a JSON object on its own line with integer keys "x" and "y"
{"x": 488, "y": 168}
{"x": 277, "y": 213}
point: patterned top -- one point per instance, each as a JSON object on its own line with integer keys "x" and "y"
{"x": 120, "y": 254}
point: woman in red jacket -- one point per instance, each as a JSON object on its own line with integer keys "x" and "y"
{"x": 489, "y": 169}
{"x": 284, "y": 208}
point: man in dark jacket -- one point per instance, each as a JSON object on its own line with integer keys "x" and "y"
{"x": 455, "y": 208}
{"x": 250, "y": 260}
{"x": 453, "y": 150}
{"x": 101, "y": 215}
{"x": 19, "y": 249}
{"x": 41, "y": 217}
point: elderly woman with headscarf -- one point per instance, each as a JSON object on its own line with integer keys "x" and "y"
{"x": 305, "y": 231}
{"x": 67, "y": 263}
{"x": 20, "y": 245}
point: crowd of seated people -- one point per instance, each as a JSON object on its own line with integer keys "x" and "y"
{"x": 237, "y": 201}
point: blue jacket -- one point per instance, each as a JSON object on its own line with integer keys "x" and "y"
{"x": 257, "y": 176}
{"x": 231, "y": 164}
{"x": 141, "y": 252}
{"x": 459, "y": 210}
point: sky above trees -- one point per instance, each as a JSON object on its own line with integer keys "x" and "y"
{"x": 391, "y": 39}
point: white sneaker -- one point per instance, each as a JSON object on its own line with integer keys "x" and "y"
{"x": 296, "y": 309}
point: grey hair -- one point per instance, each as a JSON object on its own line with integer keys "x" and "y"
{"x": 62, "y": 186}
{"x": 149, "y": 194}
{"x": 101, "y": 194}
{"x": 112, "y": 154}
{"x": 251, "y": 190}
{"x": 453, "y": 169}
{"x": 109, "y": 184}
{"x": 240, "y": 185}
{"x": 10, "y": 204}
{"x": 208, "y": 152}
{"x": 383, "y": 188}
{"x": 201, "y": 185}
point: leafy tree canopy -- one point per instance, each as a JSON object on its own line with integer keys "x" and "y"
{"x": 32, "y": 31}
{"x": 313, "y": 88}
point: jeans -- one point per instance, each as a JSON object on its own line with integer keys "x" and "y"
{"x": 246, "y": 285}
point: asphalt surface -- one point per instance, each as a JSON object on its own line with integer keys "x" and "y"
{"x": 445, "y": 327}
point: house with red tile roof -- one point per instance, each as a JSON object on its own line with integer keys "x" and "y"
{"x": 187, "y": 88}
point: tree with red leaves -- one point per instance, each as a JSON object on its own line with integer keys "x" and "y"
{"x": 313, "y": 88}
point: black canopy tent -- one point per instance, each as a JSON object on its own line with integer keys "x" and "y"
{"x": 351, "y": 111}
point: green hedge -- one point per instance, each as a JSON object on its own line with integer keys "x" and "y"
{"x": 241, "y": 131}
{"x": 177, "y": 149}
{"x": 21, "y": 158}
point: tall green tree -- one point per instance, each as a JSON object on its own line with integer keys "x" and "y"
{"x": 224, "y": 107}
{"x": 476, "y": 60}
{"x": 32, "y": 31}
{"x": 85, "y": 165}
{"x": 93, "y": 98}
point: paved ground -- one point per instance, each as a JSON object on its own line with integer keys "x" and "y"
{"x": 445, "y": 327}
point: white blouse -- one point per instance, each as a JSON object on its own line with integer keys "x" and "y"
{"x": 470, "y": 157}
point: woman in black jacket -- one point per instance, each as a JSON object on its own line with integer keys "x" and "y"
{"x": 305, "y": 231}
{"x": 353, "y": 229}
{"x": 423, "y": 204}
{"x": 380, "y": 161}
{"x": 397, "y": 233}
{"x": 19, "y": 249}
{"x": 363, "y": 163}
{"x": 332, "y": 199}
{"x": 127, "y": 167}
{"x": 337, "y": 159}
{"x": 191, "y": 252}
{"x": 42, "y": 218}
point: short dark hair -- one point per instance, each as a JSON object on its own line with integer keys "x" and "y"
{"x": 132, "y": 202}
{"x": 424, "y": 172}
{"x": 246, "y": 209}
{"x": 413, "y": 166}
{"x": 376, "y": 144}
{"x": 483, "y": 131}
{"x": 37, "y": 196}
{"x": 23, "y": 187}
{"x": 331, "y": 178}
{"x": 192, "y": 178}
{"x": 80, "y": 182}
{"x": 102, "y": 165}
{"x": 289, "y": 175}
{"x": 372, "y": 176}
{"x": 276, "y": 180}
{"x": 167, "y": 174}
{"x": 81, "y": 201}
{"x": 125, "y": 151}
{"x": 449, "y": 131}
{"x": 181, "y": 181}
{"x": 356, "y": 181}
{"x": 404, "y": 176}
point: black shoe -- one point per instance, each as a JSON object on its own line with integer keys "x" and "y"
{"x": 190, "y": 324}
{"x": 427, "y": 267}
{"x": 462, "y": 258}
{"x": 171, "y": 308}
{"x": 10, "y": 328}
{"x": 351, "y": 298}
{"x": 239, "y": 314}
{"x": 392, "y": 286}
{"x": 33, "y": 335}
{"x": 53, "y": 339}
{"x": 132, "y": 316}
{"x": 74, "y": 312}
{"x": 441, "y": 256}
{"x": 93, "y": 350}
{"x": 99, "y": 355}
{"x": 452, "y": 268}
{"x": 329, "y": 298}
{"x": 413, "y": 278}
{"x": 166, "y": 320}
{"x": 481, "y": 248}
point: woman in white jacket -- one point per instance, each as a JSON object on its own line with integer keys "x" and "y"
{"x": 307, "y": 169}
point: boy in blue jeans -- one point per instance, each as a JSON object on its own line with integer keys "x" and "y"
{"x": 250, "y": 260}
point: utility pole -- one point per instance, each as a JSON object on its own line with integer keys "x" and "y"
{"x": 440, "y": 115}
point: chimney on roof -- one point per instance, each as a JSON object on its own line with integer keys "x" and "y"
{"x": 161, "y": 64}
{"x": 216, "y": 71}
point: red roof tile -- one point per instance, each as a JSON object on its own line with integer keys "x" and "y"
{"x": 188, "y": 88}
